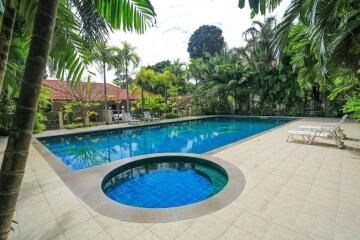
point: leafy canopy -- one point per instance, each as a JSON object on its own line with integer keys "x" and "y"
{"x": 206, "y": 39}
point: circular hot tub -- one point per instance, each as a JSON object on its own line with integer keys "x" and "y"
{"x": 165, "y": 182}
{"x": 169, "y": 187}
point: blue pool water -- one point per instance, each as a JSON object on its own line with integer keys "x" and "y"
{"x": 90, "y": 149}
{"x": 165, "y": 185}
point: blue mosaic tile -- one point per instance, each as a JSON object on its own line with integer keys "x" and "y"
{"x": 165, "y": 185}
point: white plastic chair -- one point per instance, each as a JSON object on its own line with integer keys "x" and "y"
{"x": 129, "y": 119}
{"x": 148, "y": 117}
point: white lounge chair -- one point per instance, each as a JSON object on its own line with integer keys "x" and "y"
{"x": 129, "y": 119}
{"x": 148, "y": 117}
{"x": 309, "y": 135}
{"x": 326, "y": 126}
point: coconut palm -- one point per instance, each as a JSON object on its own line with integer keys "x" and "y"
{"x": 259, "y": 40}
{"x": 144, "y": 79}
{"x": 262, "y": 5}
{"x": 137, "y": 17}
{"x": 6, "y": 33}
{"x": 126, "y": 59}
{"x": 195, "y": 69}
{"x": 103, "y": 56}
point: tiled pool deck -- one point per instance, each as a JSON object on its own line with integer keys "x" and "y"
{"x": 293, "y": 191}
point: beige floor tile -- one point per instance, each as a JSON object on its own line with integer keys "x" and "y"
{"x": 284, "y": 210}
{"x": 317, "y": 220}
{"x": 342, "y": 233}
{"x": 58, "y": 237}
{"x": 349, "y": 208}
{"x": 126, "y": 230}
{"x": 101, "y": 236}
{"x": 289, "y": 191}
{"x": 63, "y": 208}
{"x": 205, "y": 228}
{"x": 281, "y": 233}
{"x": 73, "y": 218}
{"x": 52, "y": 185}
{"x": 146, "y": 235}
{"x": 44, "y": 231}
{"x": 27, "y": 202}
{"x": 324, "y": 196}
{"x": 234, "y": 233}
{"x": 228, "y": 213}
{"x": 170, "y": 230}
{"x": 28, "y": 187}
{"x": 84, "y": 230}
{"x": 106, "y": 222}
{"x": 38, "y": 214}
{"x": 253, "y": 224}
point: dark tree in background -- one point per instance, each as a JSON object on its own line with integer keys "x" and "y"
{"x": 160, "y": 66}
{"x": 206, "y": 39}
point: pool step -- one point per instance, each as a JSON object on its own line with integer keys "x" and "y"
{"x": 217, "y": 179}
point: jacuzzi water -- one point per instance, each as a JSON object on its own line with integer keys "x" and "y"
{"x": 90, "y": 149}
{"x": 165, "y": 184}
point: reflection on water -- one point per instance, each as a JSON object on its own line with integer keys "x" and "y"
{"x": 142, "y": 170}
{"x": 87, "y": 150}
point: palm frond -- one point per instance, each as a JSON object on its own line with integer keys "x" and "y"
{"x": 127, "y": 15}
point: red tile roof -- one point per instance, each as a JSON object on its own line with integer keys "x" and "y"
{"x": 62, "y": 90}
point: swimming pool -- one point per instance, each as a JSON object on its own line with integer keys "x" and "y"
{"x": 199, "y": 136}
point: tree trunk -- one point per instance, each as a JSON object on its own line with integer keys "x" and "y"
{"x": 105, "y": 95}
{"x": 6, "y": 33}
{"x": 13, "y": 165}
{"x": 127, "y": 87}
{"x": 166, "y": 102}
{"x": 142, "y": 100}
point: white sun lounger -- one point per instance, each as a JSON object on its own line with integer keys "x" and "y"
{"x": 148, "y": 117}
{"x": 309, "y": 135}
{"x": 129, "y": 119}
{"x": 327, "y": 126}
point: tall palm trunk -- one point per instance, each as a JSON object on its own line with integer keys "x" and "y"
{"x": 13, "y": 165}
{"x": 127, "y": 87}
{"x": 142, "y": 100}
{"x": 6, "y": 33}
{"x": 105, "y": 94}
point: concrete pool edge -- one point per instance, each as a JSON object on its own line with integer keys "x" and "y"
{"x": 69, "y": 132}
{"x": 86, "y": 185}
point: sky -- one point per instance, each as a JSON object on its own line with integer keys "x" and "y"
{"x": 177, "y": 20}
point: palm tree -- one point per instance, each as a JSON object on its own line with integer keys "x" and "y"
{"x": 13, "y": 165}
{"x": 259, "y": 40}
{"x": 144, "y": 80}
{"x": 138, "y": 15}
{"x": 103, "y": 56}
{"x": 125, "y": 59}
{"x": 6, "y": 33}
{"x": 195, "y": 69}
{"x": 262, "y": 5}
